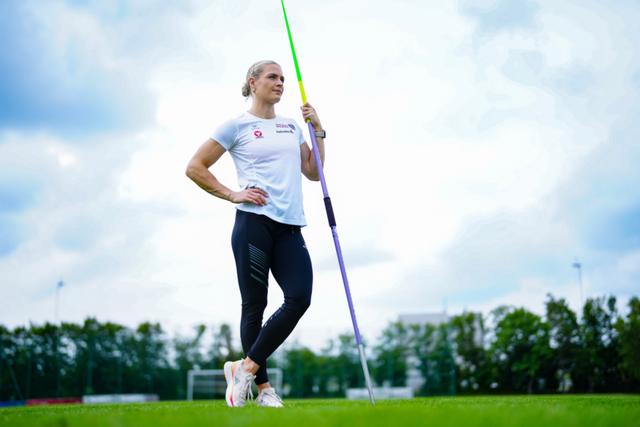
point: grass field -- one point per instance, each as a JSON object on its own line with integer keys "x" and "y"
{"x": 548, "y": 411}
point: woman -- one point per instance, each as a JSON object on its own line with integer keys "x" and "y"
{"x": 271, "y": 156}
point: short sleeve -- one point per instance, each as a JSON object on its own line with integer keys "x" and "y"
{"x": 226, "y": 134}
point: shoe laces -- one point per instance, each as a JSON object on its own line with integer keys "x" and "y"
{"x": 245, "y": 388}
{"x": 271, "y": 393}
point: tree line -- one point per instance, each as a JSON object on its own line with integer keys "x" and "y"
{"x": 511, "y": 350}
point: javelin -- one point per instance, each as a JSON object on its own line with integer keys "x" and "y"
{"x": 331, "y": 218}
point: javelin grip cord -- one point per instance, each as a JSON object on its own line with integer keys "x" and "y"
{"x": 330, "y": 215}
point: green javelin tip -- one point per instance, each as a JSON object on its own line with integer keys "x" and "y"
{"x": 295, "y": 58}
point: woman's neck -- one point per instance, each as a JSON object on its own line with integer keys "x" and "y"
{"x": 262, "y": 109}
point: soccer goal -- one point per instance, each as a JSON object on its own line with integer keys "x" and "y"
{"x": 210, "y": 383}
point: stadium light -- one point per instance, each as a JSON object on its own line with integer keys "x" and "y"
{"x": 578, "y": 266}
{"x": 59, "y": 286}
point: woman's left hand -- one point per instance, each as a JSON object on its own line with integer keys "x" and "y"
{"x": 308, "y": 112}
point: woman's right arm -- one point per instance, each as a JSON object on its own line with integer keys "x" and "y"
{"x": 198, "y": 171}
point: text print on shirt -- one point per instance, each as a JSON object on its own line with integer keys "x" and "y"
{"x": 280, "y": 128}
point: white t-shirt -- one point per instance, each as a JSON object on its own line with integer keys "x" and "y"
{"x": 266, "y": 153}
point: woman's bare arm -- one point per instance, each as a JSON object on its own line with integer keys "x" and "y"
{"x": 307, "y": 159}
{"x": 198, "y": 171}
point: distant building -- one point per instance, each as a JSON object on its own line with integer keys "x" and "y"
{"x": 423, "y": 318}
{"x": 415, "y": 380}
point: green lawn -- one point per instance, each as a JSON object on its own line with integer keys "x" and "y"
{"x": 548, "y": 411}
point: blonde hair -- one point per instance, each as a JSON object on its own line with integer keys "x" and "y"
{"x": 254, "y": 71}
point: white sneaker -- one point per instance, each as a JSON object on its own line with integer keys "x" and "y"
{"x": 269, "y": 397}
{"x": 238, "y": 384}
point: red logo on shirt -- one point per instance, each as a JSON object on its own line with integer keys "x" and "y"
{"x": 257, "y": 133}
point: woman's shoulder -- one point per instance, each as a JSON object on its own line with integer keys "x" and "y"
{"x": 240, "y": 118}
{"x": 237, "y": 122}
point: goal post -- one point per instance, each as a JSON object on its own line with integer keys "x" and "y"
{"x": 211, "y": 384}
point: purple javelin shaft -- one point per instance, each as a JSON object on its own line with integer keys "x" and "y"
{"x": 334, "y": 232}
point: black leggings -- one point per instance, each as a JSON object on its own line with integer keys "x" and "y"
{"x": 261, "y": 244}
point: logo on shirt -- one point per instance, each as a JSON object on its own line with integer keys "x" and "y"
{"x": 290, "y": 128}
{"x": 284, "y": 128}
{"x": 257, "y": 133}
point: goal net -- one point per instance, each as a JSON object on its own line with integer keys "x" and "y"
{"x": 210, "y": 383}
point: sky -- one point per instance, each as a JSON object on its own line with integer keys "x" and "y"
{"x": 475, "y": 150}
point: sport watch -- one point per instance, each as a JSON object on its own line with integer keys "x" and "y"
{"x": 321, "y": 133}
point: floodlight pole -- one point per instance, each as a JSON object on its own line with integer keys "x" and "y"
{"x": 332, "y": 219}
{"x": 578, "y": 266}
{"x": 59, "y": 286}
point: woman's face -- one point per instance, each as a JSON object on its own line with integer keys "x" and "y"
{"x": 269, "y": 86}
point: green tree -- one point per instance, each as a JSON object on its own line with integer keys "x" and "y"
{"x": 222, "y": 348}
{"x": 565, "y": 342}
{"x": 152, "y": 358}
{"x": 520, "y": 350}
{"x": 300, "y": 372}
{"x": 331, "y": 369}
{"x": 629, "y": 345}
{"x": 97, "y": 356}
{"x": 10, "y": 388}
{"x": 341, "y": 365}
{"x": 42, "y": 345}
{"x": 188, "y": 355}
{"x": 599, "y": 359}
{"x": 473, "y": 368}
{"x": 106, "y": 345}
{"x": 436, "y": 360}
{"x": 327, "y": 375}
{"x": 391, "y": 353}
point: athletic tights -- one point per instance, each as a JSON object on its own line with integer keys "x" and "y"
{"x": 261, "y": 244}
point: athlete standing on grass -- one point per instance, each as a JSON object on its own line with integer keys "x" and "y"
{"x": 271, "y": 156}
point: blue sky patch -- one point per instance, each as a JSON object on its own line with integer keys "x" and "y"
{"x": 11, "y": 235}
{"x": 500, "y": 15}
{"x": 59, "y": 83}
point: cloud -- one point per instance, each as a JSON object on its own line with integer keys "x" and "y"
{"x": 593, "y": 214}
{"x": 56, "y": 73}
{"x": 475, "y": 150}
{"x": 501, "y": 256}
{"x": 22, "y": 178}
{"x": 603, "y": 199}
{"x": 493, "y": 16}
{"x": 79, "y": 228}
{"x": 84, "y": 68}
{"x": 565, "y": 182}
{"x": 11, "y": 234}
{"x": 15, "y": 196}
{"x": 359, "y": 257}
{"x": 14, "y": 199}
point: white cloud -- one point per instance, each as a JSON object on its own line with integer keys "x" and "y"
{"x": 448, "y": 159}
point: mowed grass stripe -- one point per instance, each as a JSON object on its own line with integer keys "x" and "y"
{"x": 556, "y": 411}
